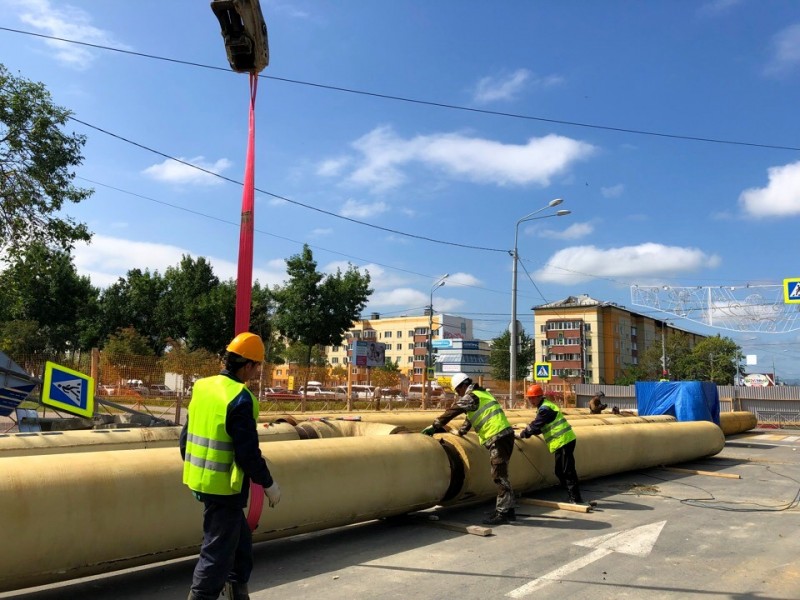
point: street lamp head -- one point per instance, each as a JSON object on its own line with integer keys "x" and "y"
{"x": 555, "y": 202}
{"x": 561, "y": 213}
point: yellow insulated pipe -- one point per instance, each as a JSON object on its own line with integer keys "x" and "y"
{"x": 88, "y": 513}
{"x": 28, "y": 444}
{"x": 599, "y": 451}
{"x": 737, "y": 422}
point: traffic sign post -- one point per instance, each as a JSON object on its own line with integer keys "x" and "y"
{"x": 68, "y": 390}
{"x": 791, "y": 290}
{"x": 542, "y": 371}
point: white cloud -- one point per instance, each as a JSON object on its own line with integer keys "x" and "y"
{"x": 413, "y": 300}
{"x": 504, "y": 87}
{"x": 362, "y": 210}
{"x": 171, "y": 171}
{"x": 64, "y": 21}
{"x": 614, "y": 191}
{"x": 379, "y": 277}
{"x": 332, "y": 166}
{"x": 508, "y": 85}
{"x": 714, "y": 8}
{"x": 583, "y": 263}
{"x": 322, "y": 231}
{"x": 107, "y": 258}
{"x": 464, "y": 158}
{"x": 462, "y": 279}
{"x": 785, "y": 51}
{"x": 780, "y": 198}
{"x": 573, "y": 232}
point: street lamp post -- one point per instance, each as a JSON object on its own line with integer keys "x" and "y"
{"x": 429, "y": 354}
{"x": 512, "y": 375}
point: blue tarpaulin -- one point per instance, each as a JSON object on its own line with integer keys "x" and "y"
{"x": 684, "y": 400}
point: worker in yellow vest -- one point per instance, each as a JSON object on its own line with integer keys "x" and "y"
{"x": 485, "y": 414}
{"x": 219, "y": 446}
{"x": 559, "y": 437}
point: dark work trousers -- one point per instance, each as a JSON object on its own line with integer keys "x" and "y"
{"x": 565, "y": 471}
{"x": 499, "y": 454}
{"x": 226, "y": 553}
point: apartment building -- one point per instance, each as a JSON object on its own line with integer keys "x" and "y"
{"x": 592, "y": 341}
{"x": 406, "y": 339}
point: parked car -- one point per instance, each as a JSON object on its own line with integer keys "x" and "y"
{"x": 106, "y": 389}
{"x": 316, "y": 391}
{"x": 360, "y": 392}
{"x": 279, "y": 393}
{"x": 416, "y": 391}
{"x": 159, "y": 389}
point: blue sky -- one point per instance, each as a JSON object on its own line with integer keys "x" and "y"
{"x": 647, "y": 210}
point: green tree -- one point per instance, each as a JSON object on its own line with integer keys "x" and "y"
{"x": 36, "y": 162}
{"x": 314, "y": 309}
{"x": 18, "y": 338}
{"x": 500, "y": 355}
{"x": 716, "y": 359}
{"x": 136, "y": 301}
{"x": 41, "y": 285}
{"x": 386, "y": 376}
{"x": 127, "y": 342}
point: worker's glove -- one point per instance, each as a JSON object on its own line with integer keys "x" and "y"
{"x": 520, "y": 435}
{"x": 462, "y": 431}
{"x": 457, "y": 432}
{"x": 273, "y": 494}
{"x": 429, "y": 430}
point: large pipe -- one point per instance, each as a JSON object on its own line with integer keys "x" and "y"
{"x": 737, "y": 422}
{"x": 599, "y": 451}
{"x": 87, "y": 513}
{"x": 137, "y": 438}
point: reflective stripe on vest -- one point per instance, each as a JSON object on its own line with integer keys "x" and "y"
{"x": 558, "y": 432}
{"x": 488, "y": 419}
{"x": 209, "y": 466}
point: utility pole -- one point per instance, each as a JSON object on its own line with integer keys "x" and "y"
{"x": 426, "y": 396}
{"x": 663, "y": 351}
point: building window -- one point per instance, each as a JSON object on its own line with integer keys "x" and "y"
{"x": 279, "y": 372}
{"x": 587, "y": 326}
{"x": 335, "y": 360}
{"x": 398, "y": 346}
{"x": 411, "y": 346}
{"x": 410, "y": 333}
{"x": 399, "y": 334}
{"x": 411, "y": 359}
{"x": 387, "y": 334}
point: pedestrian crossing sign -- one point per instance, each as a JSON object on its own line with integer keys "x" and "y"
{"x": 68, "y": 390}
{"x": 542, "y": 371}
{"x": 791, "y": 290}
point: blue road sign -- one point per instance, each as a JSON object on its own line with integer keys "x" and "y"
{"x": 68, "y": 390}
{"x": 791, "y": 290}
{"x": 542, "y": 371}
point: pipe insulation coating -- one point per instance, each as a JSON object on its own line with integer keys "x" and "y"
{"x": 82, "y": 513}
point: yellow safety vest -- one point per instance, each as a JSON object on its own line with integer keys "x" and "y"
{"x": 209, "y": 466}
{"x": 488, "y": 419}
{"x": 558, "y": 432}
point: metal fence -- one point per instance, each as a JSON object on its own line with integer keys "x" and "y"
{"x": 777, "y": 406}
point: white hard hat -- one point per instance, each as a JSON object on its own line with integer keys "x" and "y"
{"x": 457, "y": 379}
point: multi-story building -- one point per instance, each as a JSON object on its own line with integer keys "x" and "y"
{"x": 465, "y": 356}
{"x": 591, "y": 341}
{"x": 406, "y": 339}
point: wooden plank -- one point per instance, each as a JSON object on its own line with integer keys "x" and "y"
{"x": 582, "y": 508}
{"x": 696, "y": 472}
{"x": 434, "y": 521}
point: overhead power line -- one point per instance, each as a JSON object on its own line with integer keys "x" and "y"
{"x": 445, "y": 105}
{"x": 284, "y": 198}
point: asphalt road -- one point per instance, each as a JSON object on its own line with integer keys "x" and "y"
{"x": 654, "y": 534}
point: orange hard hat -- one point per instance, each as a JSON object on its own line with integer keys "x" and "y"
{"x": 247, "y": 345}
{"x": 534, "y": 390}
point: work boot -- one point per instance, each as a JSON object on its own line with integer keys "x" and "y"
{"x": 498, "y": 518}
{"x": 236, "y": 591}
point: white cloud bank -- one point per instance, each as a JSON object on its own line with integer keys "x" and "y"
{"x": 63, "y": 21}
{"x": 384, "y": 154}
{"x": 506, "y": 86}
{"x": 583, "y": 263}
{"x": 781, "y": 196}
{"x": 178, "y": 173}
{"x": 107, "y": 258}
{"x": 362, "y": 210}
{"x": 785, "y": 51}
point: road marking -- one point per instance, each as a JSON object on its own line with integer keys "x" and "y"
{"x": 636, "y": 542}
